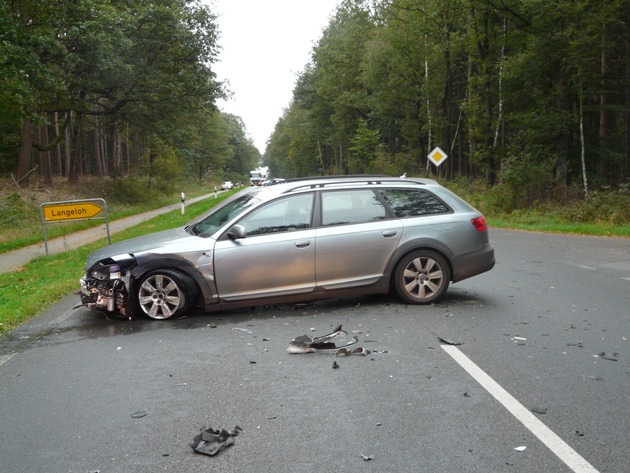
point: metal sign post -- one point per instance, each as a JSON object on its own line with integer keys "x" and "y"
{"x": 73, "y": 210}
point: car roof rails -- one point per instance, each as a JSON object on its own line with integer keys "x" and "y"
{"x": 369, "y": 179}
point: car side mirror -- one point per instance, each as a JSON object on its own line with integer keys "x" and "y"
{"x": 236, "y": 232}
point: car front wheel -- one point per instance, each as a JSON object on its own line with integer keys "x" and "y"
{"x": 166, "y": 293}
{"x": 421, "y": 277}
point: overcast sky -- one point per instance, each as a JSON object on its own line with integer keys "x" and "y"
{"x": 265, "y": 44}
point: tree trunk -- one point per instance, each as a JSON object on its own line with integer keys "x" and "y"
{"x": 97, "y": 148}
{"x": 44, "y": 156}
{"x": 604, "y": 115}
{"x": 26, "y": 151}
{"x": 583, "y": 146}
{"x": 58, "y": 160}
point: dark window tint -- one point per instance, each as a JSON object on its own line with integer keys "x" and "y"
{"x": 413, "y": 203}
{"x": 351, "y": 206}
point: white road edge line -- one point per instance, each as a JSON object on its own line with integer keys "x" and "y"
{"x": 5, "y": 358}
{"x": 65, "y": 316}
{"x": 558, "y": 446}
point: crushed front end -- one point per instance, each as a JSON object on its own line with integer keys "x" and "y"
{"x": 105, "y": 286}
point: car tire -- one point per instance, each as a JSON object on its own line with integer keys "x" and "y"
{"x": 421, "y": 277}
{"x": 165, "y": 293}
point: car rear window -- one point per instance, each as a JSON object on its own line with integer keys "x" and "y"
{"x": 414, "y": 203}
{"x": 351, "y": 206}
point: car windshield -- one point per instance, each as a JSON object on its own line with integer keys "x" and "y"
{"x": 221, "y": 216}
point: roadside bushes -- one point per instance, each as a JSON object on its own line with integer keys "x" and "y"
{"x": 610, "y": 206}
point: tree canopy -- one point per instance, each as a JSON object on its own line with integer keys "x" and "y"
{"x": 105, "y": 87}
{"x": 534, "y": 88}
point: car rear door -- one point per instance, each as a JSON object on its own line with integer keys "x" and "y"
{"x": 355, "y": 240}
{"x": 277, "y": 256}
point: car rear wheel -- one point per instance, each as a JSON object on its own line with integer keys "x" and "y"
{"x": 421, "y": 277}
{"x": 166, "y": 293}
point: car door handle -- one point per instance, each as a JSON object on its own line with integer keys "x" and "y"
{"x": 390, "y": 233}
{"x": 303, "y": 244}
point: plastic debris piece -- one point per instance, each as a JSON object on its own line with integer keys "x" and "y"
{"x": 308, "y": 344}
{"x": 237, "y": 329}
{"x": 449, "y": 342}
{"x": 520, "y": 449}
{"x": 596, "y": 378}
{"x": 335, "y": 365}
{"x": 367, "y": 458}
{"x": 607, "y": 356}
{"x": 138, "y": 414}
{"x": 210, "y": 441}
{"x": 539, "y": 410}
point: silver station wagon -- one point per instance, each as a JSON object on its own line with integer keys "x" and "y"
{"x": 295, "y": 241}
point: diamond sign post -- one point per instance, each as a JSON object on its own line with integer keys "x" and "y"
{"x": 437, "y": 156}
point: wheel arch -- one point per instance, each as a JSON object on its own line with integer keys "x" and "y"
{"x": 429, "y": 245}
{"x": 154, "y": 262}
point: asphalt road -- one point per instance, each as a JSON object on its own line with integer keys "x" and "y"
{"x": 542, "y": 364}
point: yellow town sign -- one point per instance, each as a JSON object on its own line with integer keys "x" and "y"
{"x": 78, "y": 210}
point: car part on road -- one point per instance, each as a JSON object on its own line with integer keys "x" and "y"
{"x": 210, "y": 441}
{"x": 307, "y": 344}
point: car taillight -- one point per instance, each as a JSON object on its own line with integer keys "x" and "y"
{"x": 480, "y": 224}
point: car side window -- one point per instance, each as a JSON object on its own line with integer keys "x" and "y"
{"x": 414, "y": 203}
{"x": 351, "y": 206}
{"x": 282, "y": 215}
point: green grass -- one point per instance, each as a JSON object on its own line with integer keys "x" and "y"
{"x": 545, "y": 224}
{"x": 46, "y": 279}
{"x": 29, "y": 230}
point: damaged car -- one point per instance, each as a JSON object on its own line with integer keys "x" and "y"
{"x": 297, "y": 241}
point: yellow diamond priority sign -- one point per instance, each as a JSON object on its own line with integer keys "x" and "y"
{"x": 437, "y": 156}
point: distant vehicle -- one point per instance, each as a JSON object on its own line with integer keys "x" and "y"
{"x": 258, "y": 176}
{"x": 226, "y": 185}
{"x": 297, "y": 241}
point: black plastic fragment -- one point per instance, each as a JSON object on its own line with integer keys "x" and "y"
{"x": 210, "y": 441}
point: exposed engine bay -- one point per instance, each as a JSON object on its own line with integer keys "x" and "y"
{"x": 106, "y": 286}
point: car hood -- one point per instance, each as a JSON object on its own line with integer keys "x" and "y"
{"x": 176, "y": 240}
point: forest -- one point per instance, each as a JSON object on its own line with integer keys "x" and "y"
{"x": 532, "y": 95}
{"x": 114, "y": 89}
{"x": 529, "y": 96}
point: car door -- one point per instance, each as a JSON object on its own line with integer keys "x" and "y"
{"x": 277, "y": 255}
{"x": 356, "y": 239}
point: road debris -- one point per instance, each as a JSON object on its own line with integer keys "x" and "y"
{"x": 308, "y": 344}
{"x": 210, "y": 441}
{"x": 520, "y": 449}
{"x": 596, "y": 378}
{"x": 539, "y": 410}
{"x": 607, "y": 356}
{"x": 138, "y": 414}
{"x": 449, "y": 342}
{"x": 367, "y": 458}
{"x": 357, "y": 351}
